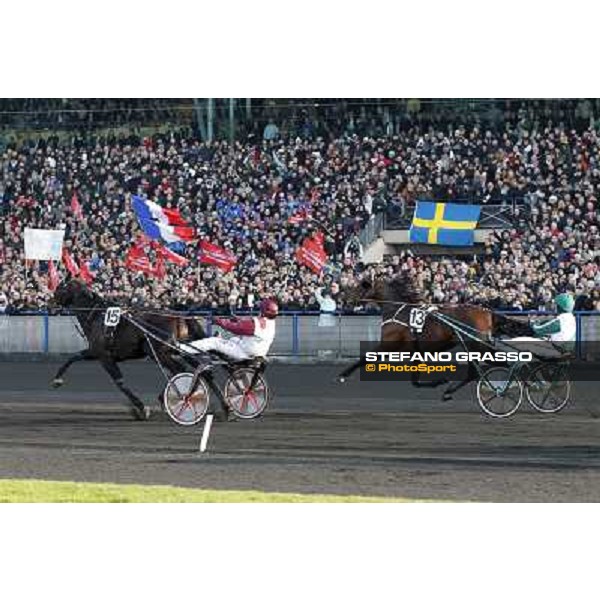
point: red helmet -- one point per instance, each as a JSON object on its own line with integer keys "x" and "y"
{"x": 269, "y": 308}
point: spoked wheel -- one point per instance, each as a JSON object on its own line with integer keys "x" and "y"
{"x": 499, "y": 393}
{"x": 246, "y": 403}
{"x": 548, "y": 390}
{"x": 183, "y": 407}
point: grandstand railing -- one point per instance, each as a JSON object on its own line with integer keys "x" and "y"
{"x": 299, "y": 334}
{"x": 493, "y": 215}
{"x": 371, "y": 231}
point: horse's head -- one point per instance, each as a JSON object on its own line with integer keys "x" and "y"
{"x": 365, "y": 290}
{"x": 72, "y": 292}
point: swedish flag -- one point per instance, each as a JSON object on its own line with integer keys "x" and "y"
{"x": 444, "y": 224}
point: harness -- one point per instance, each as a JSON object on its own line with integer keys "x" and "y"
{"x": 417, "y": 316}
{"x": 394, "y": 318}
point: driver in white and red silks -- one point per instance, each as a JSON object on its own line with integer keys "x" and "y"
{"x": 253, "y": 335}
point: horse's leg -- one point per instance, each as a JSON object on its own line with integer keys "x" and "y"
{"x": 457, "y": 385}
{"x": 139, "y": 411}
{"x": 341, "y": 378}
{"x": 83, "y": 355}
{"x": 174, "y": 365}
{"x": 414, "y": 376}
{"x": 415, "y": 380}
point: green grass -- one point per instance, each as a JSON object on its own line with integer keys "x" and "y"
{"x": 31, "y": 490}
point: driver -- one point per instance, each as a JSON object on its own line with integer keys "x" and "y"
{"x": 560, "y": 330}
{"x": 253, "y": 335}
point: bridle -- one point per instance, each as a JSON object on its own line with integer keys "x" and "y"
{"x": 394, "y": 318}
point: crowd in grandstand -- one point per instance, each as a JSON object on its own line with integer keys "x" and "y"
{"x": 241, "y": 196}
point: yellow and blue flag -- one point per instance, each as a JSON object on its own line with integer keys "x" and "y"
{"x": 444, "y": 224}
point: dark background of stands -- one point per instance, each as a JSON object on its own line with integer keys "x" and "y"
{"x": 302, "y": 117}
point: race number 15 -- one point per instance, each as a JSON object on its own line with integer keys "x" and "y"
{"x": 112, "y": 316}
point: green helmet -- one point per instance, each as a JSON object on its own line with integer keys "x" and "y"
{"x": 565, "y": 302}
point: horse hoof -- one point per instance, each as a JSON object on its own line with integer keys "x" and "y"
{"x": 446, "y": 397}
{"x": 57, "y": 382}
{"x": 341, "y": 379}
{"x": 142, "y": 414}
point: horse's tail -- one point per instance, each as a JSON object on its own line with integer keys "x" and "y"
{"x": 195, "y": 329}
{"x": 500, "y": 324}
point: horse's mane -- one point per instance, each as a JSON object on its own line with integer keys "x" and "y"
{"x": 85, "y": 292}
{"x": 404, "y": 289}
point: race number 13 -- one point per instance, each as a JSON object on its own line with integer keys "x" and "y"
{"x": 417, "y": 318}
{"x": 112, "y": 316}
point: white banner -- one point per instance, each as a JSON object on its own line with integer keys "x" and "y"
{"x": 43, "y": 244}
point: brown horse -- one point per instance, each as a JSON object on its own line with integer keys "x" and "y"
{"x": 397, "y": 297}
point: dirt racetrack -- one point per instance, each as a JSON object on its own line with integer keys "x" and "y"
{"x": 380, "y": 438}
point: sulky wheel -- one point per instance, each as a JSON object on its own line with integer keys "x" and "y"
{"x": 183, "y": 407}
{"x": 548, "y": 389}
{"x": 499, "y": 392}
{"x": 243, "y": 401}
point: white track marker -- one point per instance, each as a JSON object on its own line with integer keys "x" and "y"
{"x": 206, "y": 433}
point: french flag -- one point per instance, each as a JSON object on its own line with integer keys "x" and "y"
{"x": 159, "y": 223}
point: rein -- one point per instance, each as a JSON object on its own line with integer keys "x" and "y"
{"x": 155, "y": 312}
{"x": 395, "y": 302}
{"x": 146, "y": 328}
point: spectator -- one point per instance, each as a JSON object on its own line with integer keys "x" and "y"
{"x": 327, "y": 306}
{"x": 271, "y": 132}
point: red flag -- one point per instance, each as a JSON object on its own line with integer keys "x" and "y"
{"x": 319, "y": 238}
{"x": 143, "y": 241}
{"x": 53, "y": 277}
{"x": 168, "y": 254}
{"x": 212, "y": 254}
{"x": 76, "y": 207}
{"x": 70, "y": 263}
{"x": 85, "y": 273}
{"x": 160, "y": 270}
{"x": 312, "y": 255}
{"x": 138, "y": 260}
{"x": 299, "y": 217}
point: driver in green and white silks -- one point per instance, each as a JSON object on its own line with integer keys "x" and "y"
{"x": 561, "y": 330}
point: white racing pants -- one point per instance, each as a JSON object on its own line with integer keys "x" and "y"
{"x": 538, "y": 346}
{"x": 229, "y": 347}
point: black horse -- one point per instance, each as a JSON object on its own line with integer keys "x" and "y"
{"x": 398, "y": 296}
{"x": 128, "y": 341}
